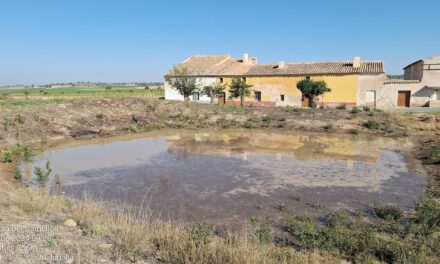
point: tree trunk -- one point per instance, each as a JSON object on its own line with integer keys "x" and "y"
{"x": 186, "y": 98}
{"x": 312, "y": 102}
{"x": 241, "y": 100}
{"x": 212, "y": 97}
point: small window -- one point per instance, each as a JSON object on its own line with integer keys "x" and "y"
{"x": 282, "y": 97}
{"x": 221, "y": 80}
{"x": 244, "y": 79}
{"x": 257, "y": 96}
{"x": 195, "y": 96}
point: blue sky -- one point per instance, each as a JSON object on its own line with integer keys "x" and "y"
{"x": 44, "y": 41}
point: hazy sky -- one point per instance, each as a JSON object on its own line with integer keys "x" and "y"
{"x": 44, "y": 41}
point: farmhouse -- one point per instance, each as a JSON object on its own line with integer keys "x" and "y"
{"x": 419, "y": 87}
{"x": 354, "y": 82}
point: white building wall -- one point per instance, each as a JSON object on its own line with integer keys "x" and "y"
{"x": 368, "y": 82}
{"x": 388, "y": 93}
{"x": 173, "y": 94}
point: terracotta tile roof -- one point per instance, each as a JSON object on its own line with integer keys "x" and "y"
{"x": 201, "y": 65}
{"x": 400, "y": 81}
{"x": 313, "y": 68}
{"x": 224, "y": 65}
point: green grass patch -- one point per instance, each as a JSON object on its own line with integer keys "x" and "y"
{"x": 372, "y": 124}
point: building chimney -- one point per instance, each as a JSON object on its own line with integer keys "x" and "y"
{"x": 281, "y": 65}
{"x": 246, "y": 58}
{"x": 356, "y": 62}
{"x": 254, "y": 60}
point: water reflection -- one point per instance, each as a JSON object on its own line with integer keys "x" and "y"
{"x": 226, "y": 176}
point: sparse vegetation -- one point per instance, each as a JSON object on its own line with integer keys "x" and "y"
{"x": 341, "y": 107}
{"x": 387, "y": 211}
{"x": 354, "y": 131}
{"x": 372, "y": 124}
{"x": 200, "y": 232}
{"x": 19, "y": 119}
{"x": 43, "y": 174}
{"x": 363, "y": 241}
{"x": 355, "y": 110}
{"x": 365, "y": 237}
{"x": 366, "y": 108}
{"x": 17, "y": 173}
{"x": 7, "y": 156}
{"x": 434, "y": 156}
{"x": 329, "y": 127}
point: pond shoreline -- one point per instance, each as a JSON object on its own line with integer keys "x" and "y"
{"x": 35, "y": 208}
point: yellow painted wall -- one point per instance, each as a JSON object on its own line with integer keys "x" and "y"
{"x": 344, "y": 87}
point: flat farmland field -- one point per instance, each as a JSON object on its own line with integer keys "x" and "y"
{"x": 81, "y": 91}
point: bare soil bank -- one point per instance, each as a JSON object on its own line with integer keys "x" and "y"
{"x": 33, "y": 120}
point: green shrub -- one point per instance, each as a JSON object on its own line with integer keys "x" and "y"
{"x": 434, "y": 156}
{"x": 305, "y": 231}
{"x": 17, "y": 173}
{"x": 366, "y": 108}
{"x": 328, "y": 127}
{"x": 425, "y": 118}
{"x": 100, "y": 116}
{"x": 388, "y": 128}
{"x": 355, "y": 110}
{"x": 200, "y": 232}
{"x": 262, "y": 234}
{"x": 7, "y": 156}
{"x": 341, "y": 107}
{"x": 133, "y": 128}
{"x": 43, "y": 174}
{"x": 249, "y": 124}
{"x": 267, "y": 119}
{"x": 387, "y": 211}
{"x": 428, "y": 214}
{"x": 354, "y": 131}
{"x": 26, "y": 151}
{"x": 19, "y": 119}
{"x": 372, "y": 124}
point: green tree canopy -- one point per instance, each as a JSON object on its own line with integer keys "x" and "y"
{"x": 212, "y": 91}
{"x": 180, "y": 79}
{"x": 311, "y": 89}
{"x": 239, "y": 88}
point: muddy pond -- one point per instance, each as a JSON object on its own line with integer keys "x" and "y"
{"x": 227, "y": 177}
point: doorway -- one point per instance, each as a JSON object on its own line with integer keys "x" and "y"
{"x": 403, "y": 98}
{"x": 305, "y": 102}
{"x": 370, "y": 99}
{"x": 222, "y": 99}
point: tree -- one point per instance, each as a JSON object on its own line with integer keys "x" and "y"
{"x": 26, "y": 93}
{"x": 311, "y": 89}
{"x": 239, "y": 88}
{"x": 107, "y": 88}
{"x": 180, "y": 79}
{"x": 213, "y": 91}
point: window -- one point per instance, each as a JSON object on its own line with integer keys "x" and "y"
{"x": 195, "y": 96}
{"x": 282, "y": 97}
{"x": 221, "y": 80}
{"x": 244, "y": 79}
{"x": 257, "y": 96}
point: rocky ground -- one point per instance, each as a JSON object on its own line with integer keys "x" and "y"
{"x": 100, "y": 238}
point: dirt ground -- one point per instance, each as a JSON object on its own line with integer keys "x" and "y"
{"x": 42, "y": 123}
{"x": 38, "y": 121}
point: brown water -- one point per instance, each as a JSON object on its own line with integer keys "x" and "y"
{"x": 227, "y": 177}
